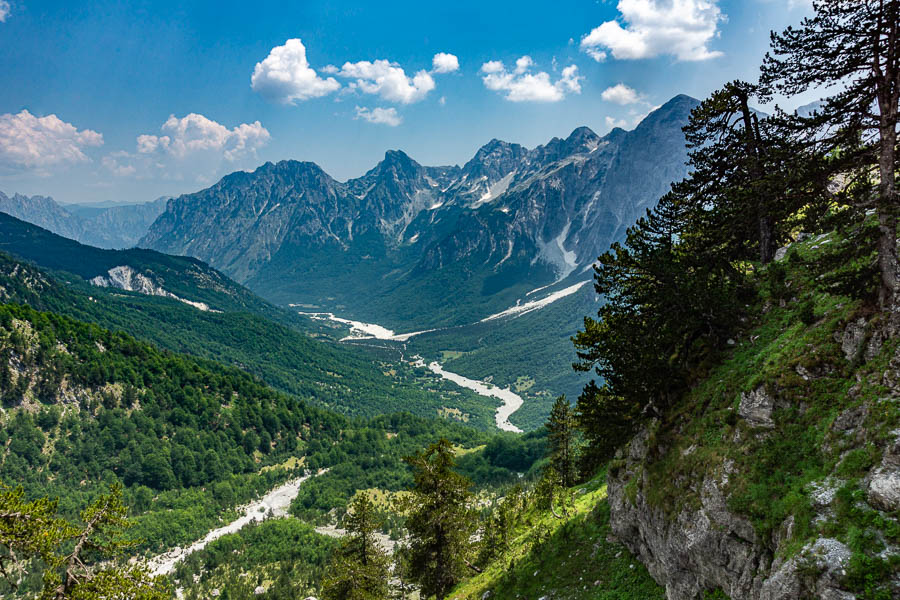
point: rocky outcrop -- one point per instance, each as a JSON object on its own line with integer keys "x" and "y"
{"x": 704, "y": 546}
{"x": 884, "y": 481}
{"x": 756, "y": 408}
{"x": 126, "y": 278}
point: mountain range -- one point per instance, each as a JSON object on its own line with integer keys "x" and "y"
{"x": 104, "y": 225}
{"x": 409, "y": 245}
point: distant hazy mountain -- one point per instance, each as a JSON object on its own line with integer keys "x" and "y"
{"x": 105, "y": 225}
{"x": 413, "y": 245}
{"x": 807, "y": 110}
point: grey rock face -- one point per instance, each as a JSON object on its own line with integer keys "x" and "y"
{"x": 707, "y": 546}
{"x": 827, "y": 557}
{"x": 884, "y": 488}
{"x": 756, "y": 407}
{"x": 853, "y": 337}
{"x": 104, "y": 227}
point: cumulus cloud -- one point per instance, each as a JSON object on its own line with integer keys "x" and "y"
{"x": 192, "y": 142}
{"x": 382, "y": 116}
{"x": 387, "y": 80}
{"x": 4, "y": 10}
{"x": 613, "y": 123}
{"x": 621, "y": 94}
{"x": 30, "y": 142}
{"x": 682, "y": 28}
{"x": 523, "y": 85}
{"x": 286, "y": 77}
{"x": 196, "y": 133}
{"x": 445, "y": 63}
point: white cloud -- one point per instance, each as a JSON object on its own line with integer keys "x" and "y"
{"x": 196, "y": 133}
{"x": 445, "y": 63}
{"x": 29, "y": 142}
{"x": 388, "y": 80}
{"x": 611, "y": 123}
{"x": 119, "y": 164}
{"x": 286, "y": 77}
{"x": 621, "y": 94}
{"x": 682, "y": 28}
{"x": 193, "y": 143}
{"x": 383, "y": 116}
{"x": 523, "y": 64}
{"x": 4, "y": 10}
{"x": 521, "y": 85}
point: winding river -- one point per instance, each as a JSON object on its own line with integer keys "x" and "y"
{"x": 370, "y": 331}
{"x": 273, "y": 504}
{"x": 511, "y": 400}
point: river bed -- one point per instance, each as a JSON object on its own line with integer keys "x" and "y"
{"x": 273, "y": 504}
{"x": 363, "y": 331}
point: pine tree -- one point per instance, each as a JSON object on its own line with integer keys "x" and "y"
{"x": 440, "y": 521}
{"x": 561, "y": 430}
{"x": 749, "y": 176}
{"x": 667, "y": 313}
{"x": 854, "y": 44}
{"x": 32, "y": 533}
{"x": 607, "y": 421}
{"x": 359, "y": 569}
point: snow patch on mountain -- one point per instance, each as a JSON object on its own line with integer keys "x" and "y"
{"x": 495, "y": 190}
{"x": 521, "y": 309}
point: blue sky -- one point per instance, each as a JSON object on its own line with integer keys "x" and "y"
{"x": 127, "y": 101}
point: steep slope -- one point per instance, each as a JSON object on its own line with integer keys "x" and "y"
{"x": 137, "y": 270}
{"x": 434, "y": 245}
{"x": 118, "y": 226}
{"x": 239, "y": 328}
{"x": 574, "y": 556}
{"x": 779, "y": 475}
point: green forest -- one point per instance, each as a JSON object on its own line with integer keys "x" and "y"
{"x": 743, "y": 354}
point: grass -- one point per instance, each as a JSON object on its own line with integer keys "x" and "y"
{"x": 791, "y": 347}
{"x": 571, "y": 558}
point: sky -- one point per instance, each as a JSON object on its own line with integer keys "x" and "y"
{"x": 128, "y": 101}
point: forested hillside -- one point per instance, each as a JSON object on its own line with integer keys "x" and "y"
{"x": 244, "y": 330}
{"x": 84, "y": 408}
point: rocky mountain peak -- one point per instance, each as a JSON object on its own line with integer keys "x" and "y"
{"x": 582, "y": 138}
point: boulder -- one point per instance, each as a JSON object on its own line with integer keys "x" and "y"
{"x": 756, "y": 407}
{"x": 853, "y": 337}
{"x": 884, "y": 488}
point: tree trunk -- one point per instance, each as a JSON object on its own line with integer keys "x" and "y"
{"x": 766, "y": 240}
{"x": 753, "y": 144}
{"x": 886, "y": 205}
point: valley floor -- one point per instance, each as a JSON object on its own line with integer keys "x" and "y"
{"x": 273, "y": 504}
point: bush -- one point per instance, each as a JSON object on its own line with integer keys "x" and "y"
{"x": 807, "y": 313}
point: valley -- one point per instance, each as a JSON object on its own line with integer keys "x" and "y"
{"x": 658, "y": 359}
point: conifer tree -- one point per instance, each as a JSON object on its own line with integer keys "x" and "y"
{"x": 440, "y": 521}
{"x": 667, "y": 313}
{"x": 854, "y": 44}
{"x": 75, "y": 557}
{"x": 748, "y": 176}
{"x": 359, "y": 569}
{"x": 561, "y": 430}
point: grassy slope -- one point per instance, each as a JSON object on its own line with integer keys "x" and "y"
{"x": 571, "y": 558}
{"x": 803, "y": 365}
